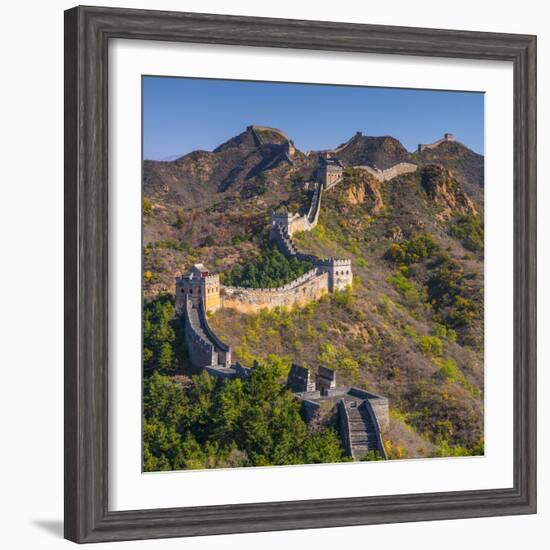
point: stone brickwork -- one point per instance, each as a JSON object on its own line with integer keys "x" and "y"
{"x": 300, "y": 379}
{"x": 389, "y": 173}
{"x": 310, "y": 286}
{"x": 199, "y": 285}
{"x": 279, "y": 235}
{"x": 339, "y": 272}
{"x": 330, "y": 172}
{"x": 202, "y": 351}
{"x": 446, "y": 137}
{"x": 293, "y": 223}
{"x": 361, "y": 414}
{"x": 326, "y": 380}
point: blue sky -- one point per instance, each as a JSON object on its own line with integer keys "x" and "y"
{"x": 181, "y": 115}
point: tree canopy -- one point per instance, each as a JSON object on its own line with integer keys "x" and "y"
{"x": 214, "y": 423}
{"x": 271, "y": 269}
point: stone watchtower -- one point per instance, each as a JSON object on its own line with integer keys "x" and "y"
{"x": 339, "y": 272}
{"x": 330, "y": 171}
{"x": 198, "y": 285}
{"x": 300, "y": 380}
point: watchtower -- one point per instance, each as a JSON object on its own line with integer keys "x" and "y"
{"x": 326, "y": 380}
{"x": 198, "y": 285}
{"x": 330, "y": 171}
{"x": 299, "y": 379}
{"x": 339, "y": 272}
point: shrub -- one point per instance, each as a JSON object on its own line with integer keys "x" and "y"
{"x": 209, "y": 241}
{"x": 178, "y": 224}
{"x": 417, "y": 248}
{"x": 469, "y": 230}
{"x": 406, "y": 289}
{"x": 344, "y": 298}
{"x": 430, "y": 345}
{"x": 147, "y": 206}
{"x": 442, "y": 331}
{"x": 449, "y": 371}
{"x": 451, "y": 295}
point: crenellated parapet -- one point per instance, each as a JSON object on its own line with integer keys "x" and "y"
{"x": 362, "y": 415}
{"x": 339, "y": 272}
{"x": 300, "y": 291}
{"x": 294, "y": 223}
{"x": 289, "y": 286}
{"x": 446, "y": 138}
{"x": 199, "y": 285}
{"x": 330, "y": 171}
{"x": 389, "y": 173}
{"x": 201, "y": 350}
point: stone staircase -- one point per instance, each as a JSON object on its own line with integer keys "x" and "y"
{"x": 363, "y": 436}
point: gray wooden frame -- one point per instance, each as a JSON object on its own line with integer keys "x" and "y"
{"x": 87, "y": 34}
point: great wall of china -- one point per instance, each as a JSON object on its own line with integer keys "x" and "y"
{"x": 446, "y": 138}
{"x": 389, "y": 173}
{"x": 361, "y": 414}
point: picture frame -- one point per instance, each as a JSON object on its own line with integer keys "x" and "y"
{"x": 87, "y": 34}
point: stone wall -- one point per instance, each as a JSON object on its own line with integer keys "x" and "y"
{"x": 389, "y": 173}
{"x": 201, "y": 351}
{"x": 204, "y": 289}
{"x": 339, "y": 272}
{"x": 424, "y": 146}
{"x": 310, "y": 286}
{"x": 344, "y": 428}
{"x": 221, "y": 348}
{"x": 293, "y": 223}
{"x": 279, "y": 235}
{"x": 379, "y": 405}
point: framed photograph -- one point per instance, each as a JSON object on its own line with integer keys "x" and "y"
{"x": 300, "y": 274}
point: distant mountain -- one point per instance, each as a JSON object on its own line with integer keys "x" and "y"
{"x": 465, "y": 164}
{"x": 201, "y": 176}
{"x": 379, "y": 152}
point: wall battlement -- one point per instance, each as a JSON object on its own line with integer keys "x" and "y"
{"x": 293, "y": 223}
{"x": 310, "y": 286}
{"x": 330, "y": 172}
{"x": 289, "y": 286}
{"x": 446, "y": 137}
{"x": 389, "y": 173}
